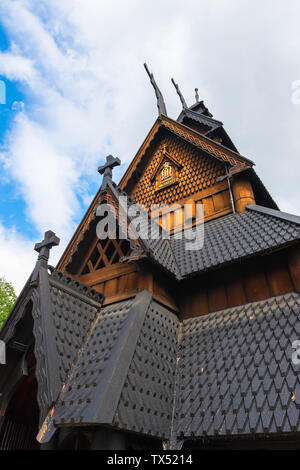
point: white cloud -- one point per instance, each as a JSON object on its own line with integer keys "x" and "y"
{"x": 80, "y": 63}
{"x": 15, "y": 67}
{"x": 17, "y": 257}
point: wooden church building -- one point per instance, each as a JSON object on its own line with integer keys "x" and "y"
{"x": 140, "y": 343}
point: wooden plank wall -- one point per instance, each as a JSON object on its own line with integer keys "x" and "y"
{"x": 121, "y": 281}
{"x": 250, "y": 281}
{"x": 254, "y": 280}
{"x": 216, "y": 202}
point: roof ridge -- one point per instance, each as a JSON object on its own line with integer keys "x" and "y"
{"x": 70, "y": 283}
{"x": 110, "y": 387}
{"x": 268, "y": 301}
{"x": 274, "y": 213}
{"x": 200, "y": 115}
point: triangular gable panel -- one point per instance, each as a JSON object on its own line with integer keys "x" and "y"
{"x": 174, "y": 171}
{"x": 214, "y": 149}
{"x": 197, "y": 172}
{"x": 86, "y": 253}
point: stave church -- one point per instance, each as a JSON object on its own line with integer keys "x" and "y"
{"x": 133, "y": 342}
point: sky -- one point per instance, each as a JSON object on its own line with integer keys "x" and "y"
{"x": 76, "y": 91}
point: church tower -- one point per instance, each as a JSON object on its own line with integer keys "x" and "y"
{"x": 140, "y": 341}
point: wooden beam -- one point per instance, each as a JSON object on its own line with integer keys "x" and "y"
{"x": 107, "y": 273}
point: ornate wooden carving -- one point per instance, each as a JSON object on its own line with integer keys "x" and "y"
{"x": 103, "y": 253}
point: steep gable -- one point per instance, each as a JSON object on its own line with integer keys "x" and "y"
{"x": 193, "y": 179}
{"x": 197, "y": 172}
{"x": 208, "y": 145}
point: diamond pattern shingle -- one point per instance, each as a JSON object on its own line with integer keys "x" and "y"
{"x": 227, "y": 239}
{"x": 74, "y": 308}
{"x": 234, "y": 237}
{"x": 236, "y": 374}
{"x": 147, "y": 399}
{"x": 90, "y": 366}
{"x": 230, "y": 371}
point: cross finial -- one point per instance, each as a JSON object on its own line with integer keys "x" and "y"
{"x": 43, "y": 248}
{"x": 111, "y": 162}
{"x": 106, "y": 170}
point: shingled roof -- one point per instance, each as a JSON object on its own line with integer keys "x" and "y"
{"x": 158, "y": 249}
{"x": 124, "y": 372}
{"x": 134, "y": 366}
{"x": 236, "y": 375}
{"x": 63, "y": 310}
{"x": 235, "y": 237}
{"x": 227, "y": 239}
{"x": 208, "y": 121}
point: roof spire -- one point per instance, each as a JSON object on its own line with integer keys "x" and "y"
{"x": 159, "y": 97}
{"x": 106, "y": 170}
{"x": 183, "y": 102}
{"x": 196, "y": 95}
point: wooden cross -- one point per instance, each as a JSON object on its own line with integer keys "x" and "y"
{"x": 111, "y": 162}
{"x": 43, "y": 248}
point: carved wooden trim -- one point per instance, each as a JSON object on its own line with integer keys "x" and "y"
{"x": 207, "y": 144}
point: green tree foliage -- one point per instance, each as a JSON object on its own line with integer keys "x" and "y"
{"x": 7, "y": 299}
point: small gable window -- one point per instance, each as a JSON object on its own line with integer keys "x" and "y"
{"x": 166, "y": 171}
{"x": 167, "y": 175}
